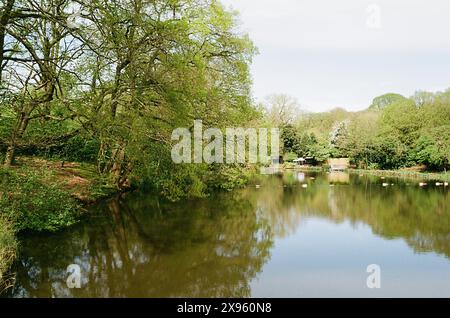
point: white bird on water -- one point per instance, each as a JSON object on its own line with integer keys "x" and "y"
{"x": 422, "y": 184}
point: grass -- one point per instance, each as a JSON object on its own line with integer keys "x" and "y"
{"x": 80, "y": 180}
{"x": 43, "y": 195}
{"x": 407, "y": 174}
{"x": 290, "y": 165}
{"x": 8, "y": 251}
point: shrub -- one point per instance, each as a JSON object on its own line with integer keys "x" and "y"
{"x": 33, "y": 205}
{"x": 8, "y": 249}
{"x": 80, "y": 149}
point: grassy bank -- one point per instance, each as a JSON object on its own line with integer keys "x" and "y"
{"x": 42, "y": 195}
{"x": 8, "y": 250}
{"x": 48, "y": 195}
{"x": 407, "y": 174}
{"x": 293, "y": 166}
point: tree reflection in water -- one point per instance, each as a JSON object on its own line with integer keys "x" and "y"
{"x": 420, "y": 216}
{"x": 215, "y": 247}
{"x": 202, "y": 248}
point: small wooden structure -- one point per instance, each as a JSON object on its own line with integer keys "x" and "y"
{"x": 300, "y": 161}
{"x": 338, "y": 164}
{"x": 304, "y": 161}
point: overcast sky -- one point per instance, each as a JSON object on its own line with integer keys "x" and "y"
{"x": 330, "y": 53}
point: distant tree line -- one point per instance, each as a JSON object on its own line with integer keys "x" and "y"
{"x": 394, "y": 132}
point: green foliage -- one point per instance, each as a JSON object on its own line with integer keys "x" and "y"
{"x": 79, "y": 149}
{"x": 145, "y": 69}
{"x": 32, "y": 204}
{"x": 320, "y": 151}
{"x": 304, "y": 144}
{"x": 6, "y": 123}
{"x": 8, "y": 248}
{"x": 155, "y": 170}
{"x": 395, "y": 132}
{"x": 290, "y": 138}
{"x": 228, "y": 177}
{"x": 427, "y": 151}
{"x": 290, "y": 156}
{"x": 385, "y": 100}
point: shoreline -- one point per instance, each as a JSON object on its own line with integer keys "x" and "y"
{"x": 413, "y": 175}
{"x": 71, "y": 188}
{"x": 431, "y": 176}
{"x": 87, "y": 190}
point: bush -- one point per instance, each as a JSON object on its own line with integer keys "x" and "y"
{"x": 228, "y": 177}
{"x": 428, "y": 152}
{"x": 290, "y": 156}
{"x": 33, "y": 205}
{"x": 80, "y": 149}
{"x": 373, "y": 166}
{"x": 8, "y": 249}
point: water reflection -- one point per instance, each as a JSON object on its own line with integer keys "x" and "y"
{"x": 338, "y": 177}
{"x": 140, "y": 246}
{"x": 404, "y": 210}
{"x": 209, "y": 248}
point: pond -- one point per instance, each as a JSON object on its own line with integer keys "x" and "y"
{"x": 294, "y": 234}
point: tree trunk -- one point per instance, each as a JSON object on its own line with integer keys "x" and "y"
{"x": 9, "y": 156}
{"x": 17, "y": 134}
{"x": 117, "y": 164}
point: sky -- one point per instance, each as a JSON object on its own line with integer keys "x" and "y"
{"x": 330, "y": 53}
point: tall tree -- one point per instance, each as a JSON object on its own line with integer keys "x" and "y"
{"x": 41, "y": 52}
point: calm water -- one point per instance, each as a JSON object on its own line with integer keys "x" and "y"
{"x": 278, "y": 240}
